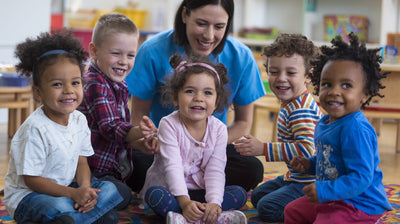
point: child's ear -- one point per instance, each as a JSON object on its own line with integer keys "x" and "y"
{"x": 364, "y": 98}
{"x": 93, "y": 50}
{"x": 36, "y": 94}
{"x": 308, "y": 76}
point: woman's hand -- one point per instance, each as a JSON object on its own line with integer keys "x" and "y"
{"x": 212, "y": 212}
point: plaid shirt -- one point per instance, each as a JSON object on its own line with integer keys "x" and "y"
{"x": 105, "y": 105}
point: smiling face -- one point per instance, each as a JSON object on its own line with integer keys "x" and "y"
{"x": 342, "y": 88}
{"x": 205, "y": 28}
{"x": 197, "y": 98}
{"x": 116, "y": 55}
{"x": 60, "y": 90}
{"x": 287, "y": 77}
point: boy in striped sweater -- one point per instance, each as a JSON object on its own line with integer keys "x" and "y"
{"x": 288, "y": 64}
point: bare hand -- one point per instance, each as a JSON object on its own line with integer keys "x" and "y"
{"x": 212, "y": 212}
{"x": 300, "y": 164}
{"x": 311, "y": 191}
{"x": 147, "y": 127}
{"x": 151, "y": 144}
{"x": 193, "y": 211}
{"x": 249, "y": 146}
{"x": 85, "y": 198}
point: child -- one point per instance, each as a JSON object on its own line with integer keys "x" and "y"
{"x": 188, "y": 175}
{"x": 288, "y": 66}
{"x": 50, "y": 148}
{"x": 349, "y": 185}
{"x": 105, "y": 104}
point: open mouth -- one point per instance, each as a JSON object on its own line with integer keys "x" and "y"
{"x": 197, "y": 108}
{"x": 119, "y": 71}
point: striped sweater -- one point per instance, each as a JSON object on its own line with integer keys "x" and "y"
{"x": 296, "y": 124}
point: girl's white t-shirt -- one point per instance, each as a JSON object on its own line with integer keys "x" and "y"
{"x": 44, "y": 148}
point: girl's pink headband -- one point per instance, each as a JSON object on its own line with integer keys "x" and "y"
{"x": 184, "y": 64}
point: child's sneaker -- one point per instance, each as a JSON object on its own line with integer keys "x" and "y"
{"x": 232, "y": 217}
{"x": 175, "y": 218}
{"x": 228, "y": 217}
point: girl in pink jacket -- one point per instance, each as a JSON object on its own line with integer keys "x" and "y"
{"x": 187, "y": 180}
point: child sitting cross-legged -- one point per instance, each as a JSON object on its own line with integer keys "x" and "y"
{"x": 48, "y": 179}
{"x": 349, "y": 185}
{"x": 186, "y": 182}
{"x": 288, "y": 64}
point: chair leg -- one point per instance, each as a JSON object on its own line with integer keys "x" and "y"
{"x": 398, "y": 137}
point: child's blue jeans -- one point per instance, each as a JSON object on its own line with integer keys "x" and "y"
{"x": 271, "y": 197}
{"x": 38, "y": 207}
{"x": 161, "y": 201}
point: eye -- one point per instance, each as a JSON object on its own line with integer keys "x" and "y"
{"x": 220, "y": 26}
{"x": 131, "y": 56}
{"x": 208, "y": 93}
{"x": 201, "y": 23}
{"x": 75, "y": 83}
{"x": 325, "y": 84}
{"x": 57, "y": 84}
{"x": 273, "y": 73}
{"x": 189, "y": 91}
{"x": 346, "y": 86}
{"x": 115, "y": 53}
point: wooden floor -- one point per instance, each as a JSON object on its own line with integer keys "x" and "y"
{"x": 390, "y": 161}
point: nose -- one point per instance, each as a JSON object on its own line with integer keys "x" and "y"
{"x": 335, "y": 90}
{"x": 123, "y": 60}
{"x": 281, "y": 77}
{"x": 209, "y": 33}
{"x": 199, "y": 97}
{"x": 68, "y": 89}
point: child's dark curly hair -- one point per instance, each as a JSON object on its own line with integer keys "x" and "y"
{"x": 184, "y": 69}
{"x": 33, "y": 62}
{"x": 356, "y": 52}
{"x": 288, "y": 44}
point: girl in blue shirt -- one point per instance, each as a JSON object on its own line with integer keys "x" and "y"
{"x": 349, "y": 185}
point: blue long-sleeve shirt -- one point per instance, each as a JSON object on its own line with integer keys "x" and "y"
{"x": 346, "y": 163}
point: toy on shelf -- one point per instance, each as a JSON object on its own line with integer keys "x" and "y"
{"x": 344, "y": 24}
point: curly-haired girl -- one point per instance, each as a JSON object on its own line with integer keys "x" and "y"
{"x": 349, "y": 185}
{"x": 48, "y": 179}
{"x": 188, "y": 175}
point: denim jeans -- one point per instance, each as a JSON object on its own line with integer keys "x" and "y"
{"x": 271, "y": 197}
{"x": 44, "y": 208}
{"x": 161, "y": 201}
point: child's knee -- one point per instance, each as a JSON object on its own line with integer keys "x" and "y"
{"x": 155, "y": 195}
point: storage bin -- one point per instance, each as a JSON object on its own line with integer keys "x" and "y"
{"x": 137, "y": 16}
{"x": 13, "y": 80}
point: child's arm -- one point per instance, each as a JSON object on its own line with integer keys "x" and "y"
{"x": 298, "y": 136}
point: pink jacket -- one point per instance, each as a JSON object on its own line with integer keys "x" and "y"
{"x": 185, "y": 163}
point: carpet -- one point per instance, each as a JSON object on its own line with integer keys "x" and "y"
{"x": 136, "y": 215}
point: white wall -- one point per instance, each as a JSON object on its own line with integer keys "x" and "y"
{"x": 20, "y": 19}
